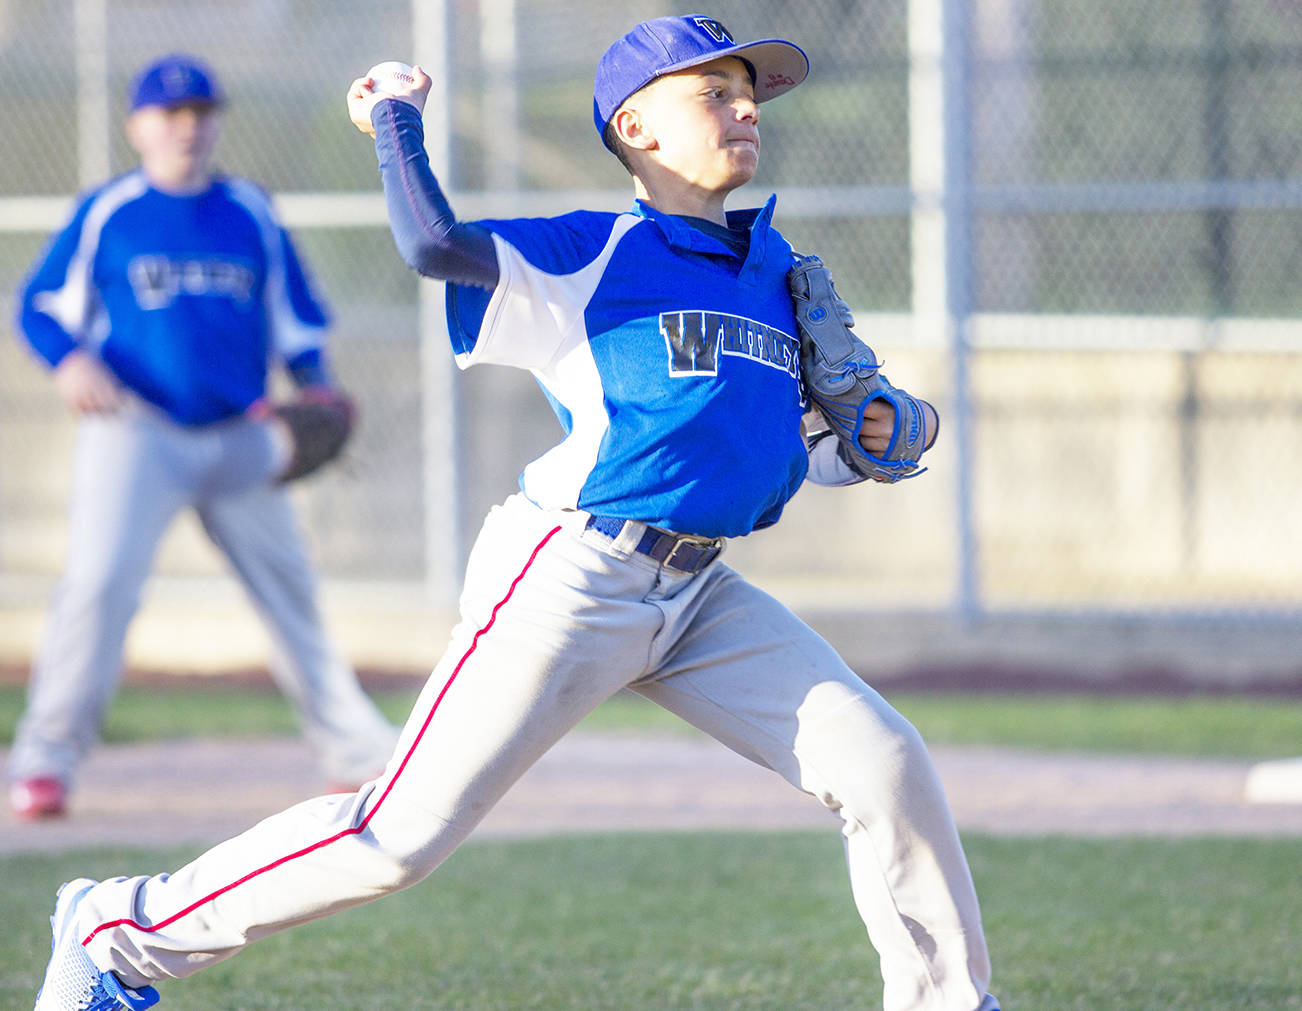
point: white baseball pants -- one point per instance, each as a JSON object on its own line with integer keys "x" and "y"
{"x": 555, "y": 619}
{"x": 134, "y": 472}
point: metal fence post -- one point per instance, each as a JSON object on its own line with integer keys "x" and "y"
{"x": 90, "y": 30}
{"x": 441, "y": 411}
{"x": 940, "y": 160}
{"x": 957, "y": 204}
{"x": 497, "y": 47}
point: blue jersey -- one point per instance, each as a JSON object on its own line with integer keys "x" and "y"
{"x": 671, "y": 362}
{"x": 187, "y": 299}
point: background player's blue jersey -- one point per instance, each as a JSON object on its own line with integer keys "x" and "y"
{"x": 186, "y": 298}
{"x": 671, "y": 362}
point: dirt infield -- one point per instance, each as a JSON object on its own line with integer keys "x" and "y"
{"x": 201, "y": 791}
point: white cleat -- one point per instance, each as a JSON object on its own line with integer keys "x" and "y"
{"x": 72, "y": 981}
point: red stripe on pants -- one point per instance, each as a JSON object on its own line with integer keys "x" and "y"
{"x": 378, "y": 804}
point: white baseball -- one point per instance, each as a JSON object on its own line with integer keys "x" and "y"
{"x": 391, "y": 77}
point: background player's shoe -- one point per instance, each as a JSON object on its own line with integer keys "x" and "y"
{"x": 43, "y": 797}
{"x": 72, "y": 981}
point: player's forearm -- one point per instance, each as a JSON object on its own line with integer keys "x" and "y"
{"x": 46, "y": 337}
{"x": 309, "y": 369}
{"x": 826, "y": 465}
{"x": 425, "y": 230}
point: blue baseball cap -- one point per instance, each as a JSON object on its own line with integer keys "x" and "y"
{"x": 659, "y": 47}
{"x": 175, "y": 80}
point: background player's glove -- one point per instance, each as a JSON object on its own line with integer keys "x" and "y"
{"x": 318, "y": 424}
{"x": 842, "y": 378}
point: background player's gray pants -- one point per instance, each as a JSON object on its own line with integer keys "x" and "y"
{"x": 556, "y": 619}
{"x": 134, "y": 472}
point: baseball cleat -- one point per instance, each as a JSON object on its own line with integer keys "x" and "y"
{"x": 72, "y": 981}
{"x": 43, "y": 797}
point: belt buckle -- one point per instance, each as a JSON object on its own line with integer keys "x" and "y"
{"x": 705, "y": 544}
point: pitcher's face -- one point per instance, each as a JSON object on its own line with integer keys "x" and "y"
{"x": 705, "y": 123}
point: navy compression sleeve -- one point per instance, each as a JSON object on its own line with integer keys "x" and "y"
{"x": 426, "y": 232}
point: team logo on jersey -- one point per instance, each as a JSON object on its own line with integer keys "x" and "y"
{"x": 696, "y": 340}
{"x": 715, "y": 30}
{"x": 158, "y": 280}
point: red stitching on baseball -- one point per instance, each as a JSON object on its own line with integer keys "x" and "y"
{"x": 371, "y": 814}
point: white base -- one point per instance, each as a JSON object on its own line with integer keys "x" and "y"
{"x": 1278, "y": 782}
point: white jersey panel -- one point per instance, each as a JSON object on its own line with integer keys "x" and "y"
{"x": 290, "y": 336}
{"x": 74, "y": 305}
{"x": 556, "y": 478}
{"x": 535, "y": 317}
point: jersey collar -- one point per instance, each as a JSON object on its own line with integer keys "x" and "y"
{"x": 681, "y": 235}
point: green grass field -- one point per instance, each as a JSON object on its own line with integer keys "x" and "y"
{"x": 720, "y": 921}
{"x": 750, "y": 921}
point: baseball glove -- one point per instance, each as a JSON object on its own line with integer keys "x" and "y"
{"x": 842, "y": 377}
{"x": 318, "y": 424}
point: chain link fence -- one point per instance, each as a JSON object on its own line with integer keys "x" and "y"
{"x": 1076, "y": 227}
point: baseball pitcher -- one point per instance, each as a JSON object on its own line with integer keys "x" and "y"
{"x": 668, "y": 341}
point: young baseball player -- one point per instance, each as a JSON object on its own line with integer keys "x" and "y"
{"x": 664, "y": 338}
{"x": 158, "y": 308}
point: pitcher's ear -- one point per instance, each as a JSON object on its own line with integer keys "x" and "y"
{"x": 632, "y": 130}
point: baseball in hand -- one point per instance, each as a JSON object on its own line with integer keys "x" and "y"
{"x": 391, "y": 77}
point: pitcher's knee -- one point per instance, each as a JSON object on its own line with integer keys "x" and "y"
{"x": 871, "y": 764}
{"x": 403, "y": 852}
{"x": 865, "y": 730}
{"x": 396, "y": 871}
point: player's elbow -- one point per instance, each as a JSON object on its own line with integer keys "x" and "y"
{"x": 457, "y": 255}
{"x": 418, "y": 252}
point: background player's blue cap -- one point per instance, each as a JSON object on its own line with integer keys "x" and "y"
{"x": 659, "y": 47}
{"x": 175, "y": 80}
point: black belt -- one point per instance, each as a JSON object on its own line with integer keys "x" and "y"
{"x": 683, "y": 552}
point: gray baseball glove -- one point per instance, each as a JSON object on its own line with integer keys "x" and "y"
{"x": 842, "y": 378}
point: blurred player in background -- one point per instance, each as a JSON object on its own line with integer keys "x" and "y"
{"x": 160, "y": 308}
